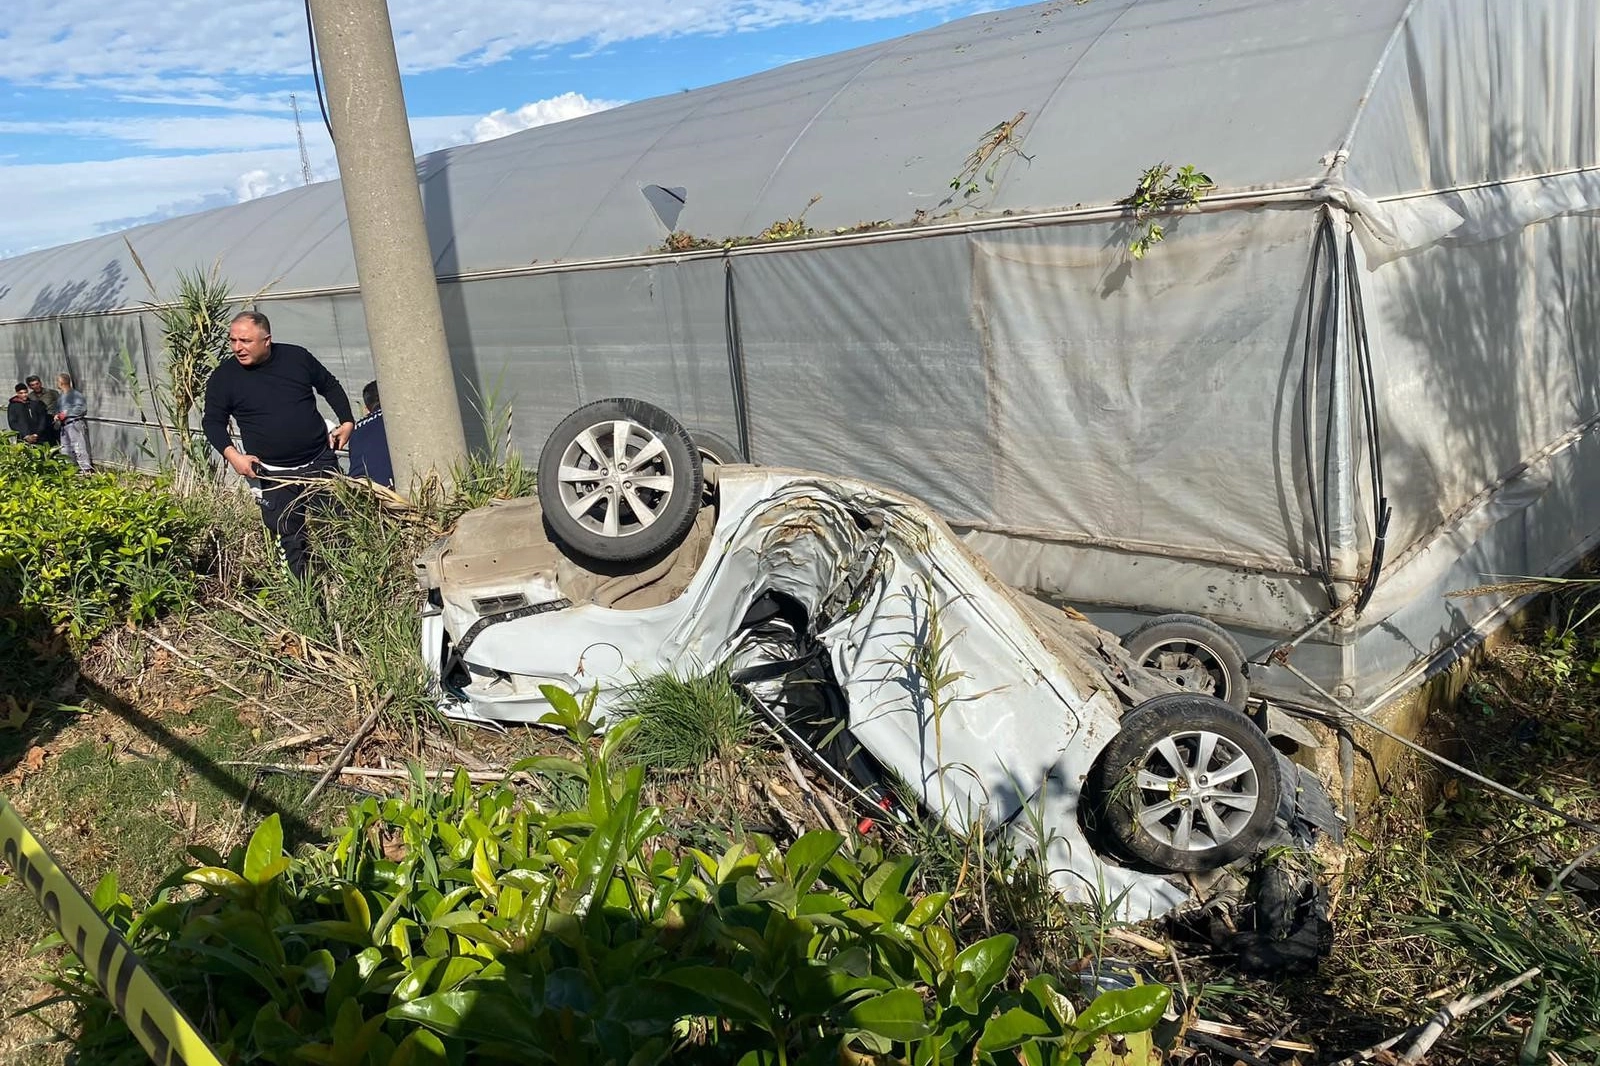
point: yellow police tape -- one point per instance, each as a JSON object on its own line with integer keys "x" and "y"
{"x": 157, "y": 1022}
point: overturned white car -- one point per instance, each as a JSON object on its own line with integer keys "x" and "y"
{"x": 995, "y": 707}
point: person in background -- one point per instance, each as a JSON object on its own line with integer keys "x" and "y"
{"x": 48, "y": 397}
{"x": 70, "y": 412}
{"x": 269, "y": 390}
{"x": 26, "y": 416}
{"x": 369, "y": 442}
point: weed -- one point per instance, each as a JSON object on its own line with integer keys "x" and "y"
{"x": 681, "y": 241}
{"x": 1474, "y": 914}
{"x": 496, "y": 474}
{"x": 1160, "y": 191}
{"x": 789, "y": 229}
{"x": 687, "y": 722}
{"x": 928, "y": 671}
{"x": 999, "y": 141}
{"x": 194, "y": 334}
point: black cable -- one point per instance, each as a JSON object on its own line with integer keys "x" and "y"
{"x": 1381, "y": 511}
{"x": 736, "y": 380}
{"x": 1311, "y": 368}
{"x": 316, "y": 78}
{"x": 1330, "y": 311}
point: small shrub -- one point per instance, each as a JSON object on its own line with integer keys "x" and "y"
{"x": 194, "y": 338}
{"x": 84, "y": 553}
{"x": 475, "y": 925}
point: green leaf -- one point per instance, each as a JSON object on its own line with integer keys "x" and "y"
{"x": 269, "y": 1032}
{"x": 222, "y": 881}
{"x": 420, "y": 1048}
{"x": 1051, "y": 1003}
{"x": 347, "y": 1025}
{"x": 807, "y": 856}
{"x": 482, "y": 871}
{"x": 456, "y": 971}
{"x": 450, "y": 903}
{"x": 455, "y": 919}
{"x": 549, "y": 766}
{"x": 266, "y": 846}
{"x": 617, "y": 734}
{"x": 1125, "y": 1010}
{"x": 414, "y": 983}
{"x": 942, "y": 946}
{"x": 927, "y": 909}
{"x": 356, "y": 908}
{"x": 478, "y": 1015}
{"x": 317, "y": 971}
{"x": 735, "y": 997}
{"x": 896, "y": 1014}
{"x": 891, "y": 876}
{"x": 597, "y": 859}
{"x": 344, "y": 932}
{"x": 105, "y": 893}
{"x": 1131, "y": 1049}
{"x": 390, "y": 913}
{"x": 987, "y": 961}
{"x": 1012, "y": 1028}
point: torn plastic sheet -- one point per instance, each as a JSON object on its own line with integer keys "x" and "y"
{"x": 1030, "y": 696}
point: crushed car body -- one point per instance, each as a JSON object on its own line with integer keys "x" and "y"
{"x": 995, "y": 708}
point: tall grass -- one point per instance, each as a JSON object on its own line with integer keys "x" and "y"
{"x": 687, "y": 722}
{"x": 1512, "y": 935}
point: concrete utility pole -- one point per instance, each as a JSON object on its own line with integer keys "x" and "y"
{"x": 393, "y": 262}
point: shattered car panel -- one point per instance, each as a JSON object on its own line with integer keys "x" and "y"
{"x": 991, "y": 705}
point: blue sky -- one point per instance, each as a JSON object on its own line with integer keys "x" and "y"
{"x": 128, "y": 112}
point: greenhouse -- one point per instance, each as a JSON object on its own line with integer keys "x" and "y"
{"x": 1279, "y": 313}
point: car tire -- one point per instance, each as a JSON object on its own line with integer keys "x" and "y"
{"x": 1193, "y": 653}
{"x": 1156, "y": 789}
{"x": 715, "y": 450}
{"x": 625, "y": 512}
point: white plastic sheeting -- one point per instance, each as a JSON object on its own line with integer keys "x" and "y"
{"x": 1129, "y": 436}
{"x": 1254, "y": 91}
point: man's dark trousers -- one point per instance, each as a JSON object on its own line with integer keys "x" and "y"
{"x": 286, "y": 498}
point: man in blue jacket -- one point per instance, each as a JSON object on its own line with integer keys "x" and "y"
{"x": 269, "y": 390}
{"x": 369, "y": 444}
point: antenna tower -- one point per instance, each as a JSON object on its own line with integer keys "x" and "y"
{"x": 300, "y": 136}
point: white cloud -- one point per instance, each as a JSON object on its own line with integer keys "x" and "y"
{"x": 139, "y": 46}
{"x": 57, "y": 203}
{"x": 500, "y": 122}
{"x": 61, "y": 202}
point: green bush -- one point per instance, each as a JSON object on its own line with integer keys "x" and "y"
{"x": 474, "y": 925}
{"x": 86, "y": 552}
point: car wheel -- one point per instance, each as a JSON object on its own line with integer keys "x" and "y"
{"x": 619, "y": 480}
{"x": 1193, "y": 653}
{"x": 714, "y": 450}
{"x": 1187, "y": 784}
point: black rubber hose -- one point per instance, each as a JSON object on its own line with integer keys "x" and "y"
{"x": 1381, "y": 511}
{"x": 1317, "y": 316}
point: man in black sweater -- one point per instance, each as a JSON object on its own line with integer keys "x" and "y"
{"x": 26, "y": 416}
{"x": 267, "y": 389}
